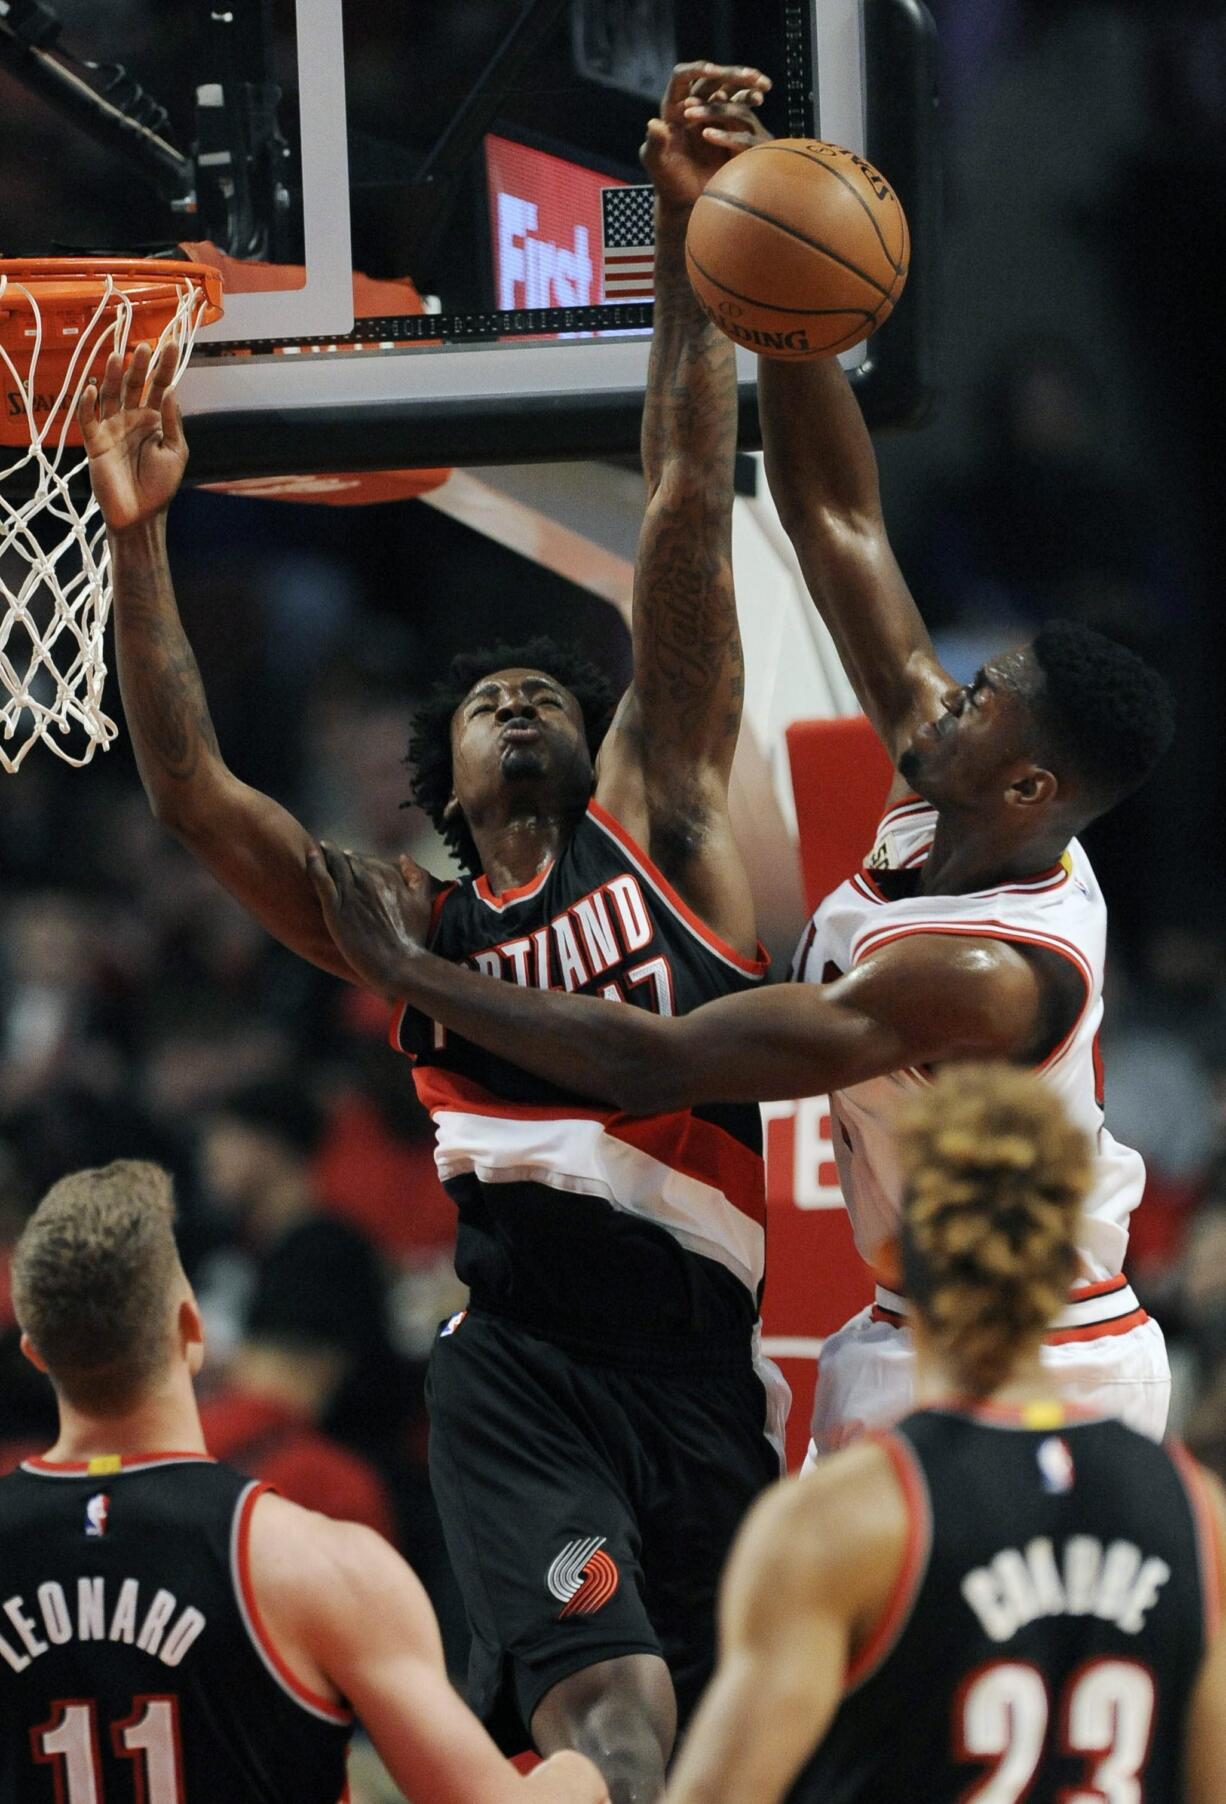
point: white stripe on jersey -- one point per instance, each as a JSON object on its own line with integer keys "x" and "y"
{"x": 574, "y": 1154}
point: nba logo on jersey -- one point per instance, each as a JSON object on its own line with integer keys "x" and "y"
{"x": 96, "y": 1512}
{"x": 1056, "y": 1470}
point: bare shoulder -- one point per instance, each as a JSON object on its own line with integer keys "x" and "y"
{"x": 314, "y": 1578}
{"x": 836, "y": 1535}
{"x": 959, "y": 994}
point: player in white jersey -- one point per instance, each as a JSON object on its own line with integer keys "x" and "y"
{"x": 978, "y": 931}
{"x": 1104, "y": 1349}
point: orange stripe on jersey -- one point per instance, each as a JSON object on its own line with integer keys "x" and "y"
{"x": 327, "y": 1707}
{"x": 910, "y": 1573}
{"x": 1206, "y": 1536}
{"x": 752, "y": 967}
{"x": 1120, "y": 1324}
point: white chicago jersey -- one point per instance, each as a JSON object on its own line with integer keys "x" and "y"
{"x": 1061, "y": 909}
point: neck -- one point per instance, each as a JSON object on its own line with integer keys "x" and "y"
{"x": 162, "y": 1421}
{"x": 966, "y": 857}
{"x": 518, "y": 849}
{"x": 937, "y": 1380}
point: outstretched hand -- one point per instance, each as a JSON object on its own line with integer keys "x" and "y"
{"x": 725, "y": 122}
{"x": 133, "y": 434}
{"x": 680, "y": 155}
{"x": 372, "y": 909}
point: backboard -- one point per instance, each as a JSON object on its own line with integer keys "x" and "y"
{"x": 474, "y": 160}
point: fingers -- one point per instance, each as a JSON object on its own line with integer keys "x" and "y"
{"x": 112, "y": 385}
{"x": 132, "y": 386}
{"x": 162, "y": 374}
{"x": 172, "y": 422}
{"x": 321, "y": 877}
{"x": 704, "y": 79}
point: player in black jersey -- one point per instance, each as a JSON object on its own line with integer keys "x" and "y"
{"x": 600, "y": 1417}
{"x": 1000, "y": 1600}
{"x": 170, "y": 1629}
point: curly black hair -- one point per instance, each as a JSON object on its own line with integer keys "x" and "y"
{"x": 1106, "y": 713}
{"x": 429, "y": 755}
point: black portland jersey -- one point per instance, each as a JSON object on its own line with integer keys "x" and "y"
{"x": 642, "y": 1236}
{"x": 133, "y": 1666}
{"x": 1055, "y": 1606}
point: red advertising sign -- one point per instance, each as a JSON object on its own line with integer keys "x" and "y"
{"x": 545, "y": 226}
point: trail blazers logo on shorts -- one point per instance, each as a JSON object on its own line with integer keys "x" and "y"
{"x": 582, "y": 1578}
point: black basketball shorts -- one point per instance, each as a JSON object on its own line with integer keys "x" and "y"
{"x": 588, "y": 1508}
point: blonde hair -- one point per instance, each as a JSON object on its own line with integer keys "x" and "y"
{"x": 995, "y": 1174}
{"x": 93, "y": 1279}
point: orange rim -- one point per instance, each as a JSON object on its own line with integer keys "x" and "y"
{"x": 66, "y": 287}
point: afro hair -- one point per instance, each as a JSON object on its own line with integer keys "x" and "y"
{"x": 429, "y": 755}
{"x": 1104, "y": 711}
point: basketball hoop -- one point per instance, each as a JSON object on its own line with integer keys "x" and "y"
{"x": 60, "y": 319}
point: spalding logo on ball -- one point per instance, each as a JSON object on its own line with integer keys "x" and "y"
{"x": 797, "y": 248}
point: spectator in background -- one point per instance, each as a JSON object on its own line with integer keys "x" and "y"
{"x": 257, "y": 1150}
{"x": 301, "y": 1343}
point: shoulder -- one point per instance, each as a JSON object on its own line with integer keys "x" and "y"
{"x": 965, "y": 992}
{"x": 292, "y": 1548}
{"x": 834, "y": 1537}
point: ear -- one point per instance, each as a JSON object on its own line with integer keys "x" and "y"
{"x": 451, "y": 807}
{"x": 32, "y": 1353}
{"x": 1034, "y": 786}
{"x": 190, "y": 1325}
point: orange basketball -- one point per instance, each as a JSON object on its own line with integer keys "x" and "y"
{"x": 797, "y": 249}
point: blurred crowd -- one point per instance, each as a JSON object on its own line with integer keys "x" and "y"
{"x": 1071, "y": 471}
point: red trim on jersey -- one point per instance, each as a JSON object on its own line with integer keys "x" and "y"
{"x": 1120, "y": 1324}
{"x": 1059, "y": 1337}
{"x": 128, "y": 1462}
{"x": 905, "y": 1588}
{"x": 325, "y": 1706}
{"x": 891, "y": 1316}
{"x": 907, "y": 805}
{"x": 393, "y": 1032}
{"x": 436, "y": 908}
{"x": 753, "y": 967}
{"x": 1081, "y": 1293}
{"x": 681, "y": 1140}
{"x": 1206, "y": 1536}
{"x": 519, "y": 892}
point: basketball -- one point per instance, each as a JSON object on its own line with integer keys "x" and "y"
{"x": 797, "y": 249}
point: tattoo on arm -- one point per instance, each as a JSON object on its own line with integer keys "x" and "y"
{"x": 164, "y": 699}
{"x": 689, "y": 673}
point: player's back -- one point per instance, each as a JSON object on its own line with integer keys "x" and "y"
{"x": 1044, "y": 1639}
{"x": 132, "y": 1658}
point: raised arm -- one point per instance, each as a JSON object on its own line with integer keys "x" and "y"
{"x": 252, "y": 845}
{"x": 665, "y": 764}
{"x": 353, "y": 1622}
{"x": 822, "y": 472}
{"x": 919, "y": 1001}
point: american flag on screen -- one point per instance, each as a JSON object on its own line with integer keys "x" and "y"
{"x": 628, "y": 230}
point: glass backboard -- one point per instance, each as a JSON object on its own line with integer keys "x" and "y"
{"x": 428, "y": 214}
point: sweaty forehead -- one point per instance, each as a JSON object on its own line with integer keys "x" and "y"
{"x": 1017, "y": 670}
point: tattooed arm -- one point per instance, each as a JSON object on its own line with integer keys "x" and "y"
{"x": 250, "y": 843}
{"x": 665, "y": 766}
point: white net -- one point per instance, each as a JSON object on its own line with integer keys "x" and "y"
{"x": 55, "y": 578}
